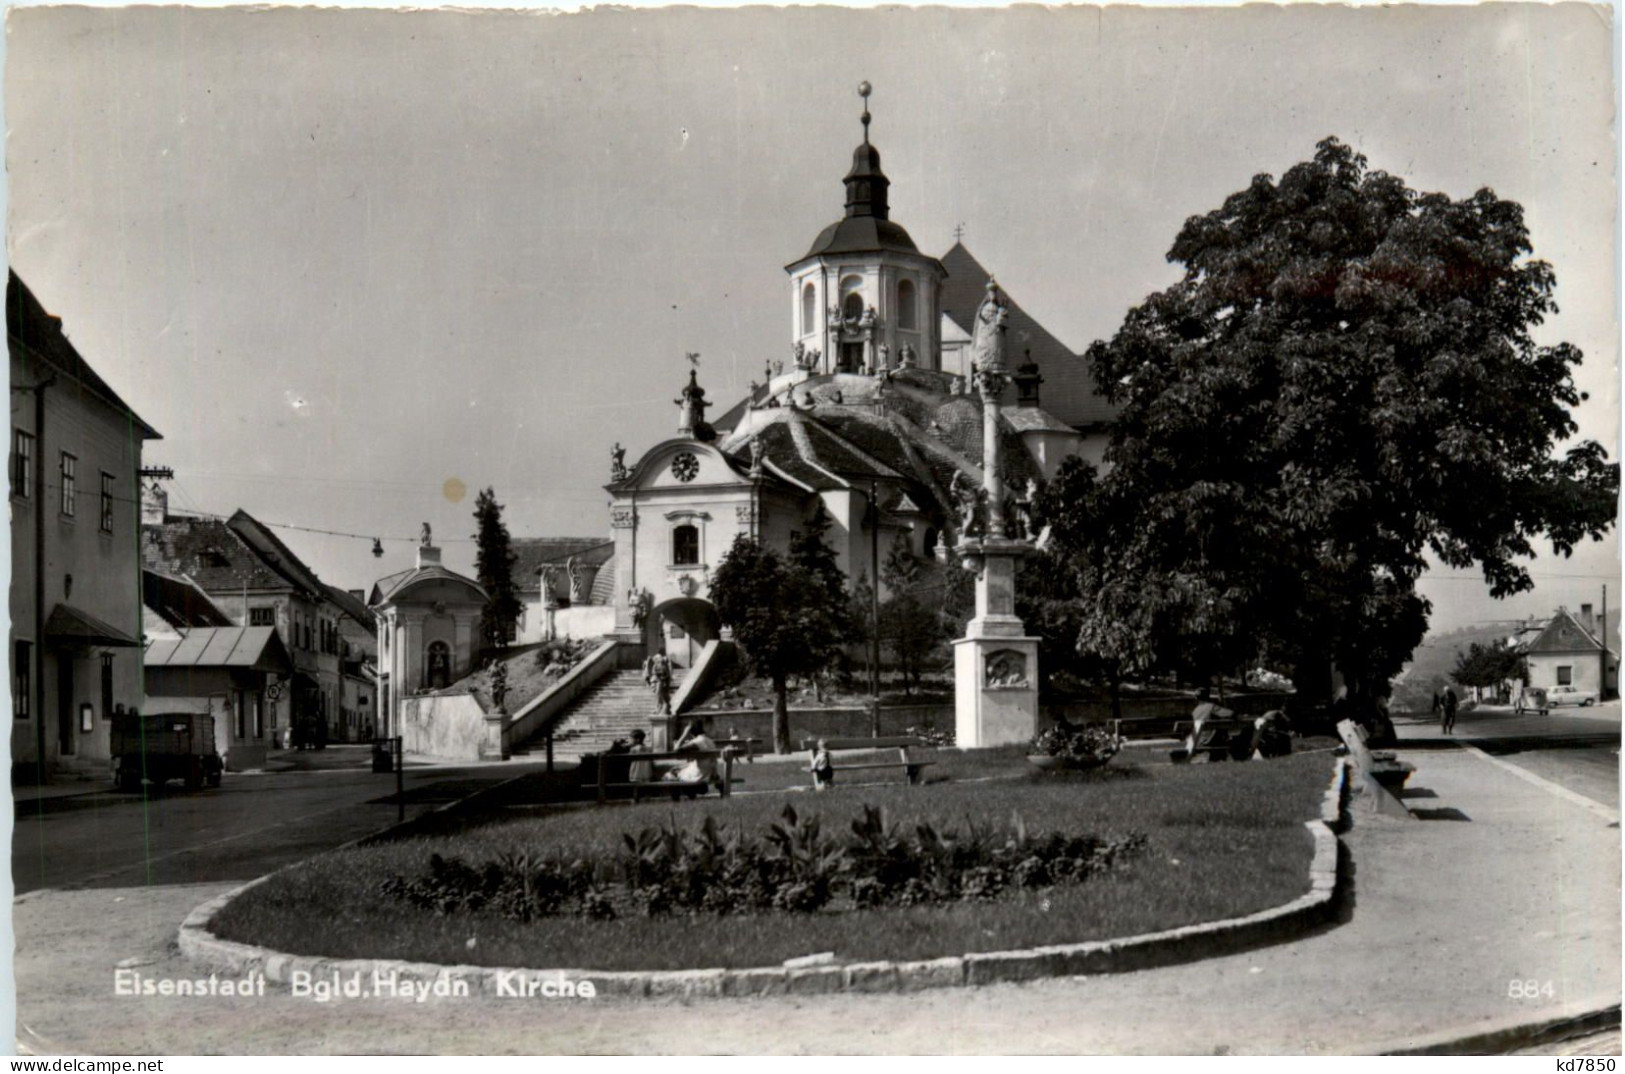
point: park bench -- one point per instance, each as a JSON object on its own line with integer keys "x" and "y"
{"x": 747, "y": 748}
{"x": 912, "y": 767}
{"x": 1381, "y": 765}
{"x": 659, "y": 786}
{"x": 1217, "y": 734}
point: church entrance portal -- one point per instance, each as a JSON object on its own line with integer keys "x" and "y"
{"x": 680, "y": 628}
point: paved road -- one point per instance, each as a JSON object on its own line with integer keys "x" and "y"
{"x": 1577, "y": 748}
{"x": 251, "y": 825}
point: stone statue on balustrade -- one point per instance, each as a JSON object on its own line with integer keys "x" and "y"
{"x": 617, "y": 463}
{"x": 499, "y": 685}
{"x": 641, "y": 601}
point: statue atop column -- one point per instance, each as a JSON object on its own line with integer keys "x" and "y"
{"x": 617, "y": 463}
{"x": 996, "y": 662}
{"x": 987, "y": 340}
{"x": 426, "y": 540}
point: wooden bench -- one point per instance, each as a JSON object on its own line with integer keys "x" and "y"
{"x": 912, "y": 767}
{"x": 1219, "y": 733}
{"x": 660, "y": 786}
{"x": 1381, "y": 765}
{"x": 746, "y": 747}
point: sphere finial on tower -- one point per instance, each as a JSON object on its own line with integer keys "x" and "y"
{"x": 864, "y": 89}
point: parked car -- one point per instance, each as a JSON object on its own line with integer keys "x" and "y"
{"x": 164, "y": 746}
{"x": 1532, "y": 699}
{"x": 1571, "y": 695}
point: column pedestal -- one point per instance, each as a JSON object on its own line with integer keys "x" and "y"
{"x": 996, "y": 662}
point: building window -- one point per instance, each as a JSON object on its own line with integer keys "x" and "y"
{"x": 809, "y": 310}
{"x": 107, "y": 502}
{"x": 685, "y": 545}
{"x": 240, "y": 717}
{"x": 852, "y": 306}
{"x": 262, "y": 617}
{"x": 70, "y": 470}
{"x": 22, "y": 673}
{"x": 907, "y": 316}
{"x": 1565, "y": 675}
{"x": 107, "y": 686}
{"x": 22, "y": 464}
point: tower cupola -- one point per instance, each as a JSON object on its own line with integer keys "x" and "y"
{"x": 864, "y": 297}
{"x": 866, "y": 184}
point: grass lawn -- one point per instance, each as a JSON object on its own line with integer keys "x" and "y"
{"x": 1224, "y": 840}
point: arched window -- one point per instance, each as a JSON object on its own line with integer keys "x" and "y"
{"x": 852, "y": 303}
{"x": 809, "y": 309}
{"x": 685, "y": 545}
{"x": 906, "y": 316}
{"x": 439, "y": 665}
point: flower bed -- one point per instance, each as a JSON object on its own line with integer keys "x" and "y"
{"x": 1075, "y": 747}
{"x": 1221, "y": 841}
{"x": 794, "y": 867}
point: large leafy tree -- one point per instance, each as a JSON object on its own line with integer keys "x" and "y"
{"x": 493, "y": 563}
{"x": 788, "y": 616}
{"x": 1344, "y": 381}
{"x": 1490, "y": 665}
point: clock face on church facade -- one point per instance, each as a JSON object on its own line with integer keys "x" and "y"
{"x": 685, "y": 467}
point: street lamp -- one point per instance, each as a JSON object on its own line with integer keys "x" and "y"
{"x": 873, "y": 519}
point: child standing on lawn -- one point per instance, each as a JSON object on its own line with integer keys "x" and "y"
{"x": 823, "y": 767}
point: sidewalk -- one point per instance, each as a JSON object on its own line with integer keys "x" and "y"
{"x": 1503, "y": 882}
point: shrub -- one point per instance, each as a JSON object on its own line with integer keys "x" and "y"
{"x": 1085, "y": 746}
{"x": 793, "y": 867}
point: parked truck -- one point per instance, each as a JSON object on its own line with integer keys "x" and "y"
{"x": 163, "y": 746}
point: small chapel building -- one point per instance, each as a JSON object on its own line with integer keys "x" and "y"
{"x": 871, "y": 420}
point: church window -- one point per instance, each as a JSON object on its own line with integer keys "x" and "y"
{"x": 906, "y": 316}
{"x": 852, "y": 306}
{"x": 809, "y": 309}
{"x": 685, "y": 545}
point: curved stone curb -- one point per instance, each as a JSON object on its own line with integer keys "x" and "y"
{"x": 1187, "y": 944}
{"x": 1500, "y": 1039}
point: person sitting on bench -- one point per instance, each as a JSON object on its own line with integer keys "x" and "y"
{"x": 701, "y": 769}
{"x": 640, "y": 771}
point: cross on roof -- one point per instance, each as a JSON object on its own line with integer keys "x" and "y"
{"x": 959, "y": 232}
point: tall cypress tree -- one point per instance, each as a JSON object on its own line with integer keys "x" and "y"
{"x": 493, "y": 562}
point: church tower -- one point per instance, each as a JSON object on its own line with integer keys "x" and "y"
{"x": 863, "y": 297}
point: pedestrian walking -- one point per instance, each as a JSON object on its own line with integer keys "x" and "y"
{"x": 1448, "y": 723}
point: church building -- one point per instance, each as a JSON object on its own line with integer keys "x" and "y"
{"x": 872, "y": 419}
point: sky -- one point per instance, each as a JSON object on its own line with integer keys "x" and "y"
{"x": 355, "y": 265}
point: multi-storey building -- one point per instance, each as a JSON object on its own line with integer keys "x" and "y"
{"x": 75, "y": 652}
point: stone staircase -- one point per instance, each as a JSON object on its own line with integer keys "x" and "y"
{"x": 611, "y": 708}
